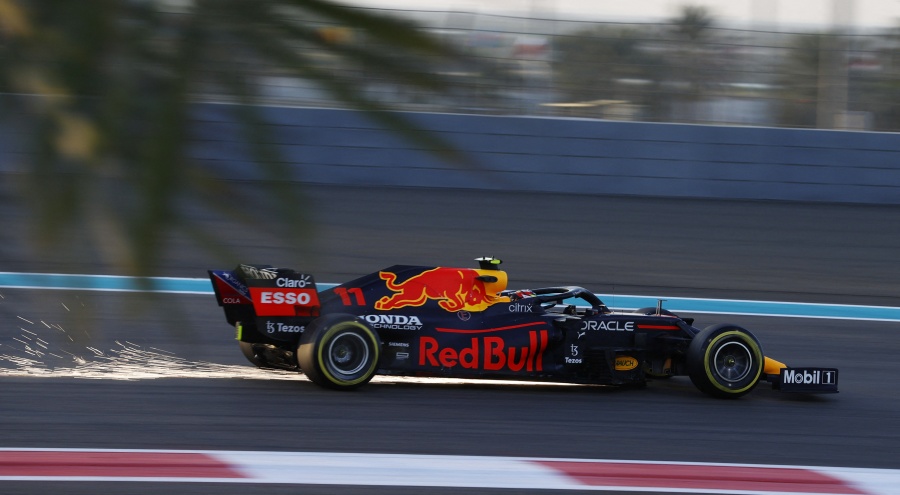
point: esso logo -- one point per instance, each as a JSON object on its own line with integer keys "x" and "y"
{"x": 292, "y": 298}
{"x": 272, "y": 301}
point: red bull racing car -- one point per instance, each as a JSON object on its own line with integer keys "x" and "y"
{"x": 464, "y": 323}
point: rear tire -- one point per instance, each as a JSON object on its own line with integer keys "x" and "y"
{"x": 725, "y": 361}
{"x": 339, "y": 352}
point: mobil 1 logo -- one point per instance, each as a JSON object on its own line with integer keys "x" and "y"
{"x": 809, "y": 379}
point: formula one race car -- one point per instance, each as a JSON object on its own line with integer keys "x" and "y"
{"x": 464, "y": 323}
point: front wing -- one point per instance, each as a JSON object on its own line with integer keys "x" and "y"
{"x": 806, "y": 380}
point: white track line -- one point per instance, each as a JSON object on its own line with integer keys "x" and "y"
{"x": 522, "y": 473}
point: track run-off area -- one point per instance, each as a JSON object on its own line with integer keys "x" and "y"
{"x": 516, "y": 473}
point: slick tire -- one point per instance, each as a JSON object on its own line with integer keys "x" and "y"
{"x": 339, "y": 352}
{"x": 725, "y": 361}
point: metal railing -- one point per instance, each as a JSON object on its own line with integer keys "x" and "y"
{"x": 656, "y": 72}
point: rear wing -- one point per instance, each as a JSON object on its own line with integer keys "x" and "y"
{"x": 265, "y": 297}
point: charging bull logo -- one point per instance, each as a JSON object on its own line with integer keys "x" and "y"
{"x": 455, "y": 289}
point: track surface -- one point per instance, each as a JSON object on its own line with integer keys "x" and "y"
{"x": 809, "y": 253}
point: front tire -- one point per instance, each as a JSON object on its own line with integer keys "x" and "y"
{"x": 339, "y": 352}
{"x": 725, "y": 361}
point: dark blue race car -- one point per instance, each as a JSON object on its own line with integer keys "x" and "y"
{"x": 465, "y": 323}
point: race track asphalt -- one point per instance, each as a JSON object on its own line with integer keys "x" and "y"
{"x": 204, "y": 395}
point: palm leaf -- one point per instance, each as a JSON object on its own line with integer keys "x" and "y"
{"x": 111, "y": 85}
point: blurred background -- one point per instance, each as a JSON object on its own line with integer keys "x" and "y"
{"x": 650, "y": 61}
{"x": 131, "y": 125}
{"x": 682, "y": 63}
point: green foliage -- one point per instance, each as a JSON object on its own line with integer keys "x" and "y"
{"x": 109, "y": 87}
{"x": 798, "y": 81}
{"x": 609, "y": 63}
{"x": 693, "y": 23}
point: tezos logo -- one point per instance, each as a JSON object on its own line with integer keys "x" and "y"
{"x": 573, "y": 357}
{"x": 272, "y": 327}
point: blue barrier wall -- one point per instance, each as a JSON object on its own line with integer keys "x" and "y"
{"x": 551, "y": 154}
{"x": 573, "y": 155}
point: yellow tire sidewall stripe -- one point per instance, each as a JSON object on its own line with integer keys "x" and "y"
{"x": 339, "y": 327}
{"x": 754, "y": 348}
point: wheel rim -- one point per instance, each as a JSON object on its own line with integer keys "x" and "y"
{"x": 733, "y": 361}
{"x": 348, "y": 354}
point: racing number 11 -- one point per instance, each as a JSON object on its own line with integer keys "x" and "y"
{"x": 344, "y": 294}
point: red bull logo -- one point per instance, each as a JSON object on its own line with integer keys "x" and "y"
{"x": 455, "y": 289}
{"x": 486, "y": 353}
